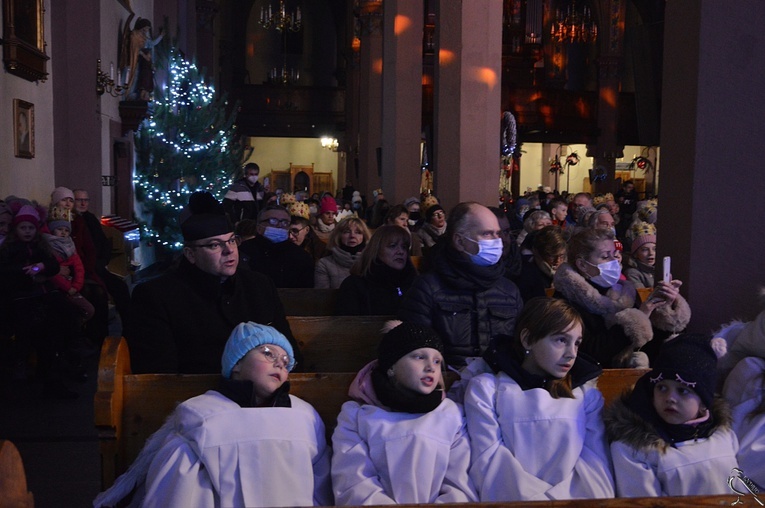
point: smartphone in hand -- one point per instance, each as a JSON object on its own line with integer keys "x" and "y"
{"x": 667, "y": 269}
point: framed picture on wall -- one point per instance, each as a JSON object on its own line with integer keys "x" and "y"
{"x": 24, "y": 39}
{"x": 23, "y": 129}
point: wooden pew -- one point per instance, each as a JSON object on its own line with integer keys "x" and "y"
{"x": 13, "y": 479}
{"x": 308, "y": 302}
{"x": 337, "y": 343}
{"x": 129, "y": 407}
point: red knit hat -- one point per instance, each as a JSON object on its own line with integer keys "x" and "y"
{"x": 328, "y": 204}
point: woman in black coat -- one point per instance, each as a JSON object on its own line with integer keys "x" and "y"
{"x": 380, "y": 278}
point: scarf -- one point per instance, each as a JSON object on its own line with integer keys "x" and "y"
{"x": 459, "y": 272}
{"x": 242, "y": 392}
{"x": 323, "y": 227}
{"x": 401, "y": 399}
{"x": 62, "y": 246}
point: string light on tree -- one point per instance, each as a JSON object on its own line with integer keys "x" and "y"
{"x": 189, "y": 144}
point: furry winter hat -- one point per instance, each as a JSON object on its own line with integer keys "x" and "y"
{"x": 356, "y": 198}
{"x": 642, "y": 233}
{"x": 27, "y": 213}
{"x": 59, "y": 218}
{"x": 328, "y": 204}
{"x": 299, "y": 209}
{"x": 60, "y": 193}
{"x": 690, "y": 360}
{"x": 403, "y": 338}
{"x": 246, "y": 337}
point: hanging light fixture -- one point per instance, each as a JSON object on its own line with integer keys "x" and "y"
{"x": 575, "y": 25}
{"x": 281, "y": 20}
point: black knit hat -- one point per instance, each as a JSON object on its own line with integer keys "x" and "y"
{"x": 688, "y": 359}
{"x": 432, "y": 210}
{"x": 402, "y": 339}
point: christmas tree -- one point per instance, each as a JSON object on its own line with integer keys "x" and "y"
{"x": 187, "y": 144}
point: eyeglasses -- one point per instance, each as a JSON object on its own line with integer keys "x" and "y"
{"x": 277, "y": 223}
{"x": 268, "y": 355}
{"x": 82, "y": 200}
{"x": 217, "y": 246}
{"x": 439, "y": 215}
{"x": 296, "y": 231}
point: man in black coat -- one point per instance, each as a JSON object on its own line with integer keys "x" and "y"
{"x": 180, "y": 321}
{"x": 271, "y": 253}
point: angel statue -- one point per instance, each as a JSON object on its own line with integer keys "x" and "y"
{"x": 136, "y": 56}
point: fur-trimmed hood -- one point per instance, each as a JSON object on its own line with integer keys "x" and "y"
{"x": 575, "y": 287}
{"x": 623, "y": 424}
{"x": 616, "y": 306}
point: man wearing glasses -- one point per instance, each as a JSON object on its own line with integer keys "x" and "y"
{"x": 181, "y": 320}
{"x": 271, "y": 253}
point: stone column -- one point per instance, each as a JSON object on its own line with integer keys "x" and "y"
{"x": 711, "y": 183}
{"x": 467, "y": 101}
{"x": 402, "y": 98}
{"x": 370, "y": 96}
{"x": 610, "y": 65}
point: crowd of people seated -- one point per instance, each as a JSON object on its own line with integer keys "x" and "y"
{"x": 56, "y": 290}
{"x": 529, "y": 301}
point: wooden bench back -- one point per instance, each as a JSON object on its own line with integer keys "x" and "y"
{"x": 308, "y": 302}
{"x": 130, "y": 407}
{"x": 13, "y": 479}
{"x": 337, "y": 343}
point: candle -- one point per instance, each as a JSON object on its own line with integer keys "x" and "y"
{"x": 111, "y": 71}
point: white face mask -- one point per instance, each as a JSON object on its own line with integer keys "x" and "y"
{"x": 608, "y": 273}
{"x": 253, "y": 179}
{"x": 489, "y": 251}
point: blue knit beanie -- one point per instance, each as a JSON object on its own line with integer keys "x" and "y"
{"x": 248, "y": 336}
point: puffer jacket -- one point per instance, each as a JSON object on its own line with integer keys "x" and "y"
{"x": 466, "y": 304}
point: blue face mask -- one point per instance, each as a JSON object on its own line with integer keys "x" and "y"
{"x": 489, "y": 252}
{"x": 276, "y": 235}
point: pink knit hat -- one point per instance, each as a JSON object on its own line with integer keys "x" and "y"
{"x": 643, "y": 233}
{"x": 328, "y": 204}
{"x": 27, "y": 213}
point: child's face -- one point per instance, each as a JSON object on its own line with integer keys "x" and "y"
{"x": 553, "y": 355}
{"x": 646, "y": 254}
{"x": 61, "y": 232}
{"x": 266, "y": 367}
{"x": 675, "y": 402}
{"x": 26, "y": 231}
{"x": 419, "y": 370}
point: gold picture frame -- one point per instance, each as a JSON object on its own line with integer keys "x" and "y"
{"x": 24, "y": 39}
{"x": 23, "y": 129}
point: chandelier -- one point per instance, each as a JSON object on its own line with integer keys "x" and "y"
{"x": 575, "y": 25}
{"x": 281, "y": 20}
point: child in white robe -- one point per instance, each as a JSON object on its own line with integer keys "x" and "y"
{"x": 399, "y": 441}
{"x": 671, "y": 436}
{"x": 248, "y": 443}
{"x": 535, "y": 424}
